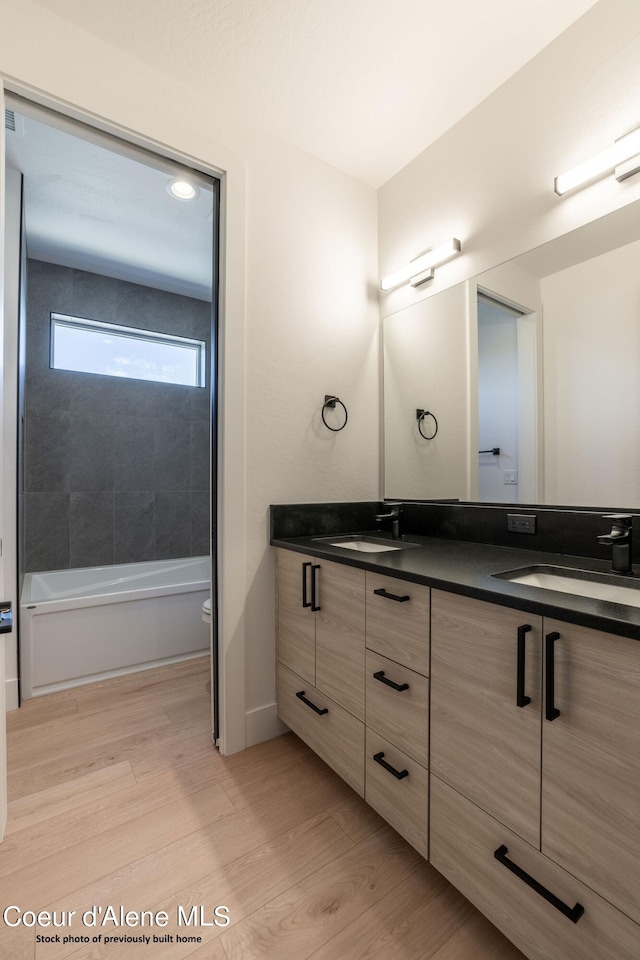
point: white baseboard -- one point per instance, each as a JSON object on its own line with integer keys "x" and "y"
{"x": 262, "y": 724}
{"x": 11, "y": 694}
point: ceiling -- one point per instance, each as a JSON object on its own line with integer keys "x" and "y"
{"x": 99, "y": 210}
{"x": 366, "y": 85}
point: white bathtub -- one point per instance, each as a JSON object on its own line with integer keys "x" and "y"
{"x": 77, "y": 626}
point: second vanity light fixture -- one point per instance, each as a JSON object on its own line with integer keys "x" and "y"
{"x": 421, "y": 268}
{"x": 623, "y": 158}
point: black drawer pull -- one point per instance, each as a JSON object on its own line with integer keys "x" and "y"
{"x": 314, "y": 588}
{"x": 320, "y": 712}
{"x": 398, "y": 774}
{"x": 305, "y": 601}
{"x": 391, "y": 596}
{"x": 550, "y": 710}
{"x": 390, "y": 683}
{"x": 521, "y": 699}
{"x": 573, "y": 913}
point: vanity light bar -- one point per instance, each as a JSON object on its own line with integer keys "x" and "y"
{"x": 616, "y": 158}
{"x": 421, "y": 268}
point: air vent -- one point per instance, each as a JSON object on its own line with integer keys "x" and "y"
{"x": 9, "y": 120}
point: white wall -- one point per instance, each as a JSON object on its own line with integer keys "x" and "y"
{"x": 592, "y": 386}
{"x": 489, "y": 180}
{"x": 300, "y": 292}
{"x": 425, "y": 367}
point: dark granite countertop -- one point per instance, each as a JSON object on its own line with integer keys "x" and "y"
{"x": 467, "y": 568}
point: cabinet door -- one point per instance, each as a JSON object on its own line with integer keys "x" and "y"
{"x": 590, "y": 760}
{"x": 340, "y": 635}
{"x": 483, "y": 743}
{"x": 296, "y": 627}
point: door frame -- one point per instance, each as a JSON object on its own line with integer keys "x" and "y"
{"x": 229, "y": 401}
{"x": 529, "y": 334}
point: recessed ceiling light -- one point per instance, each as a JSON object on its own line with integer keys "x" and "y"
{"x": 182, "y": 189}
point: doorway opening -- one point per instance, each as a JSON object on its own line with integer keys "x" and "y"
{"x": 506, "y": 401}
{"x": 116, "y": 442}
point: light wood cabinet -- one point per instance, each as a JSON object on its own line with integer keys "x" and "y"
{"x": 330, "y": 730}
{"x": 535, "y": 735}
{"x": 321, "y": 659}
{"x": 591, "y": 761}
{"x": 398, "y": 789}
{"x": 483, "y": 743}
{"x": 464, "y": 841}
{"x": 398, "y": 620}
{"x": 320, "y": 625}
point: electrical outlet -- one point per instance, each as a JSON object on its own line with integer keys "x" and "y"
{"x": 521, "y": 522}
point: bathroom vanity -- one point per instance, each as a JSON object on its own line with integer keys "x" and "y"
{"x": 494, "y": 724}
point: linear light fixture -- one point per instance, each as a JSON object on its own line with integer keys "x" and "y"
{"x": 623, "y": 158}
{"x": 421, "y": 267}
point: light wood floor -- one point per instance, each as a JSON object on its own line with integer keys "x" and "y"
{"x": 117, "y": 797}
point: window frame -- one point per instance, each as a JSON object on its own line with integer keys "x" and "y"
{"x": 133, "y": 333}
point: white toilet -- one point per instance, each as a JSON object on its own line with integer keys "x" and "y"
{"x": 206, "y": 610}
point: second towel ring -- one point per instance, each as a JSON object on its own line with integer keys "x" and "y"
{"x": 420, "y": 416}
{"x": 330, "y": 402}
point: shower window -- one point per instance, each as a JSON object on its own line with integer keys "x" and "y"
{"x": 90, "y": 346}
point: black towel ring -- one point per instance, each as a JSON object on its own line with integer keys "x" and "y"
{"x": 330, "y": 402}
{"x": 420, "y": 416}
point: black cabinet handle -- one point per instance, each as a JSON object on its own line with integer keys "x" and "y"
{"x": 314, "y": 588}
{"x": 573, "y": 913}
{"x": 550, "y": 710}
{"x": 305, "y": 601}
{"x": 391, "y": 596}
{"x": 521, "y": 699}
{"x": 390, "y": 683}
{"x": 398, "y": 774}
{"x": 318, "y": 710}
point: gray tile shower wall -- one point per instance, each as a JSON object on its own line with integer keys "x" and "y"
{"x": 115, "y": 470}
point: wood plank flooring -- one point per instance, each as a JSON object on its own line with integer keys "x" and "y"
{"x": 118, "y": 798}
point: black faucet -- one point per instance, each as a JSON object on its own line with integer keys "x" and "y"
{"x": 394, "y": 516}
{"x": 620, "y": 539}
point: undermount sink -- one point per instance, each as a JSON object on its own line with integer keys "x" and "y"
{"x": 581, "y": 583}
{"x": 365, "y": 544}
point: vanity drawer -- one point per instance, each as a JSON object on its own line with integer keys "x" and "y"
{"x": 463, "y": 841}
{"x": 400, "y": 715}
{"x": 397, "y": 613}
{"x": 403, "y": 802}
{"x": 336, "y": 735}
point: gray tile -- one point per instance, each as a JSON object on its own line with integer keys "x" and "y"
{"x": 199, "y": 456}
{"x": 137, "y": 398}
{"x": 134, "y": 527}
{"x": 93, "y": 393}
{"x": 46, "y": 531}
{"x": 48, "y": 392}
{"x": 172, "y": 525}
{"x": 200, "y": 404}
{"x": 172, "y": 441}
{"x": 173, "y": 402}
{"x": 49, "y": 289}
{"x": 200, "y": 522}
{"x": 37, "y": 348}
{"x": 95, "y": 296}
{"x": 47, "y": 452}
{"x": 91, "y": 529}
{"x": 134, "y": 465}
{"x": 92, "y": 453}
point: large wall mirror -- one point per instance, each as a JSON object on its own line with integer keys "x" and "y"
{"x": 532, "y": 373}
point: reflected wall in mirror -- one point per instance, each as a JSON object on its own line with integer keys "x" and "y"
{"x": 550, "y": 376}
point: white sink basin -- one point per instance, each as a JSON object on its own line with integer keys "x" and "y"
{"x": 581, "y": 583}
{"x": 365, "y": 544}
